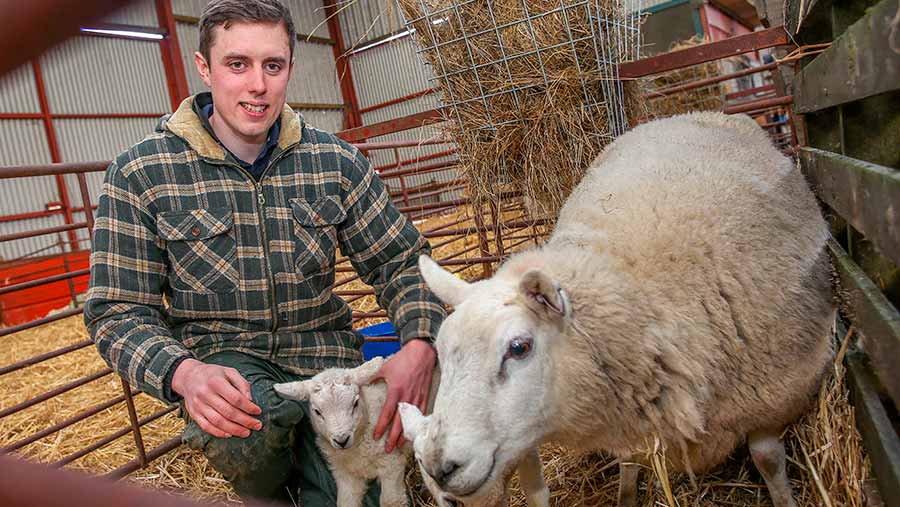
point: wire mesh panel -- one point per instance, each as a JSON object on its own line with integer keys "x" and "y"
{"x": 510, "y": 51}
{"x": 532, "y": 85}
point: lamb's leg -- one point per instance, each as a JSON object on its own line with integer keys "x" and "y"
{"x": 531, "y": 478}
{"x": 350, "y": 489}
{"x": 628, "y": 482}
{"x": 768, "y": 455}
{"x": 393, "y": 489}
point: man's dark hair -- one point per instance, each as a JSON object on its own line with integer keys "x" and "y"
{"x": 226, "y": 12}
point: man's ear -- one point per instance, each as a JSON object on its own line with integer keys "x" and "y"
{"x": 414, "y": 423}
{"x": 298, "y": 391}
{"x": 202, "y": 66}
{"x": 544, "y": 295}
{"x": 366, "y": 372}
{"x": 444, "y": 284}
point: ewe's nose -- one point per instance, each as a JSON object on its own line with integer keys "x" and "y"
{"x": 341, "y": 442}
{"x": 443, "y": 471}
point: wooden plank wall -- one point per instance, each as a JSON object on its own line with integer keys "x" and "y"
{"x": 848, "y": 98}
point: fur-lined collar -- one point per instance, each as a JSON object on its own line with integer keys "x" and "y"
{"x": 185, "y": 124}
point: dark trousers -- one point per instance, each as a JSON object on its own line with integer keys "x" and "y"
{"x": 274, "y": 462}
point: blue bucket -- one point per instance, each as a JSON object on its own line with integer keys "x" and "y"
{"x": 372, "y": 349}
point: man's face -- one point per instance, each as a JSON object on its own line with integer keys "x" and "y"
{"x": 248, "y": 70}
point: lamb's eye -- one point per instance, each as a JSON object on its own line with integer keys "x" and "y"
{"x": 317, "y": 412}
{"x": 519, "y": 348}
{"x": 355, "y": 403}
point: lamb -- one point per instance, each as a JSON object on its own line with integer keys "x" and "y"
{"x": 344, "y": 409}
{"x": 685, "y": 295}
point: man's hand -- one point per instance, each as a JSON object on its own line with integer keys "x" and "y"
{"x": 217, "y": 398}
{"x": 408, "y": 377}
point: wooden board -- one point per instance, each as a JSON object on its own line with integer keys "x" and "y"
{"x": 860, "y": 63}
{"x": 875, "y": 317}
{"x": 865, "y": 195}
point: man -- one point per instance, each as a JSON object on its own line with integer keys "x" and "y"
{"x": 213, "y": 258}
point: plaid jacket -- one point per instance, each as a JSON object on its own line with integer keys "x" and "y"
{"x": 191, "y": 256}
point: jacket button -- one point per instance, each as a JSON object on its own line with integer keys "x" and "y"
{"x": 195, "y": 231}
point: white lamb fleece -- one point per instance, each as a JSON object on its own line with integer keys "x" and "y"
{"x": 344, "y": 409}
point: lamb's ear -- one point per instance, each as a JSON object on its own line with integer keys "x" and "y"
{"x": 299, "y": 391}
{"x": 443, "y": 283}
{"x": 365, "y": 373}
{"x": 414, "y": 423}
{"x": 544, "y": 295}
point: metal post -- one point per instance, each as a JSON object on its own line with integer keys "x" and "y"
{"x": 54, "y": 149}
{"x": 497, "y": 226}
{"x": 171, "y": 54}
{"x": 352, "y": 116}
{"x": 483, "y": 244}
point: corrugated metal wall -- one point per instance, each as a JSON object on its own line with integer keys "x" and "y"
{"x": 105, "y": 75}
{"x": 23, "y": 142}
{"x": 188, "y": 43}
{"x": 389, "y": 71}
{"x": 309, "y": 17}
{"x": 18, "y": 93}
{"x": 188, "y": 7}
{"x": 365, "y": 20}
{"x": 315, "y": 77}
{"x": 85, "y": 75}
{"x": 139, "y": 13}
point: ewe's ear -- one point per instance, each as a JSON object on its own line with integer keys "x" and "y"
{"x": 544, "y": 295}
{"x": 414, "y": 423}
{"x": 366, "y": 372}
{"x": 299, "y": 391}
{"x": 443, "y": 283}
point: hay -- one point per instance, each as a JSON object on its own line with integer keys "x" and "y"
{"x": 532, "y": 120}
{"x": 708, "y": 98}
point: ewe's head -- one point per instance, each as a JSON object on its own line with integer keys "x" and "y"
{"x": 338, "y": 414}
{"x": 495, "y": 400}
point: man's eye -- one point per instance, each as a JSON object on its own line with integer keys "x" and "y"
{"x": 273, "y": 68}
{"x": 519, "y": 348}
{"x": 236, "y": 65}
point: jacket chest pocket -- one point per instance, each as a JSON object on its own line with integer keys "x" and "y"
{"x": 202, "y": 253}
{"x": 315, "y": 234}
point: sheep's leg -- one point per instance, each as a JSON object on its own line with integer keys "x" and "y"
{"x": 628, "y": 482}
{"x": 531, "y": 477}
{"x": 350, "y": 489}
{"x": 393, "y": 489}
{"x": 768, "y": 455}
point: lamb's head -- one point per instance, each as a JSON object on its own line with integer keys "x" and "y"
{"x": 338, "y": 414}
{"x": 497, "y": 390}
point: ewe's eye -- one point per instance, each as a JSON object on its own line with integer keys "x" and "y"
{"x": 317, "y": 412}
{"x": 519, "y": 348}
{"x": 355, "y": 403}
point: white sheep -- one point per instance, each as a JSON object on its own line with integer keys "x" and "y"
{"x": 684, "y": 295}
{"x": 344, "y": 409}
